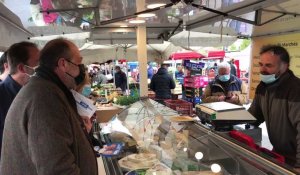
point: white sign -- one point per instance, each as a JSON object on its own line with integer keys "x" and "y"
{"x": 85, "y": 106}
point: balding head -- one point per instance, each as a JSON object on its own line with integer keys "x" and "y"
{"x": 54, "y": 50}
{"x": 63, "y": 58}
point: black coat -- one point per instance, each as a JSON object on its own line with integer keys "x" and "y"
{"x": 162, "y": 83}
{"x": 121, "y": 80}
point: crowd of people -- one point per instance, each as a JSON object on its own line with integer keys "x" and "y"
{"x": 41, "y": 131}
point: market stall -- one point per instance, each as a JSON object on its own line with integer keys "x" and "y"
{"x": 158, "y": 140}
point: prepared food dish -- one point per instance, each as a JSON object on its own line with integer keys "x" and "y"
{"x": 159, "y": 169}
{"x": 200, "y": 173}
{"x": 99, "y": 105}
{"x": 141, "y": 157}
{"x": 182, "y": 119}
{"x": 138, "y": 161}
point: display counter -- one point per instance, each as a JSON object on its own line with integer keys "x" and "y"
{"x": 157, "y": 140}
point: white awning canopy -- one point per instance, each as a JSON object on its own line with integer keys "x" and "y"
{"x": 11, "y": 30}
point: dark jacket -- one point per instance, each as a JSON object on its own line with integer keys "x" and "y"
{"x": 121, "y": 80}
{"x": 162, "y": 83}
{"x": 217, "y": 88}
{"x": 9, "y": 88}
{"x": 233, "y": 70}
{"x": 278, "y": 104}
{"x": 43, "y": 134}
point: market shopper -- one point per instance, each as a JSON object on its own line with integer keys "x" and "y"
{"x": 150, "y": 71}
{"x": 43, "y": 132}
{"x": 277, "y": 102}
{"x": 179, "y": 72}
{"x": 225, "y": 87}
{"x": 22, "y": 58}
{"x": 120, "y": 79}
{"x": 99, "y": 77}
{"x": 233, "y": 69}
{"x": 4, "y": 69}
{"x": 162, "y": 83}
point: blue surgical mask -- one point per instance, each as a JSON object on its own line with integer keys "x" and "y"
{"x": 86, "y": 91}
{"x": 224, "y": 78}
{"x": 268, "y": 78}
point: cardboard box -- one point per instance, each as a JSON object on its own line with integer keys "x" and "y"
{"x": 105, "y": 114}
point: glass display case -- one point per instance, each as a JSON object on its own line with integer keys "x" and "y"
{"x": 159, "y": 141}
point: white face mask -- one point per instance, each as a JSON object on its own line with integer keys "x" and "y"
{"x": 32, "y": 70}
{"x": 268, "y": 78}
{"x": 272, "y": 77}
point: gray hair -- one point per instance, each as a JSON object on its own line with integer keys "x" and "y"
{"x": 224, "y": 64}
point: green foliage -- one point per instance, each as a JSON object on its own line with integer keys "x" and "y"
{"x": 134, "y": 86}
{"x": 245, "y": 44}
{"x": 88, "y": 16}
{"x": 127, "y": 100}
{"x": 233, "y": 47}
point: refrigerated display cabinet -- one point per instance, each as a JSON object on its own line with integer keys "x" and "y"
{"x": 157, "y": 141}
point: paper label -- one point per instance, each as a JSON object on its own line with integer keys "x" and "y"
{"x": 85, "y": 106}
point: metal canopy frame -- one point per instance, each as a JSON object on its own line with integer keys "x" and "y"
{"x": 189, "y": 25}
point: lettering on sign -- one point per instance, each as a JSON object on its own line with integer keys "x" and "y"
{"x": 255, "y": 81}
{"x": 194, "y": 66}
{"x": 256, "y": 57}
{"x": 288, "y": 44}
{"x": 255, "y": 65}
{"x": 295, "y": 56}
{"x": 253, "y": 88}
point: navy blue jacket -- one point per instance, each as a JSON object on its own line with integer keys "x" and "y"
{"x": 234, "y": 86}
{"x": 9, "y": 88}
{"x": 162, "y": 83}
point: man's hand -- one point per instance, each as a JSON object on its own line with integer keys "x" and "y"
{"x": 233, "y": 99}
{"x": 222, "y": 98}
{"x": 297, "y": 170}
{"x": 87, "y": 123}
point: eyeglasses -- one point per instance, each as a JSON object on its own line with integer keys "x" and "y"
{"x": 81, "y": 66}
{"x": 72, "y": 62}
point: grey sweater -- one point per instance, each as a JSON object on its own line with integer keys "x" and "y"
{"x": 43, "y": 135}
{"x": 278, "y": 104}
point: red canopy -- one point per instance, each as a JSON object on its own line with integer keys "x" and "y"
{"x": 186, "y": 56}
{"x": 220, "y": 54}
{"x": 122, "y": 61}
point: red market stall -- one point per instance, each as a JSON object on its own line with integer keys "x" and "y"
{"x": 186, "y": 56}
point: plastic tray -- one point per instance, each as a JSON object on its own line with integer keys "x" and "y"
{"x": 181, "y": 106}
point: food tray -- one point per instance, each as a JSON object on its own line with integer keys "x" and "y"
{"x": 139, "y": 162}
{"x": 181, "y": 106}
{"x": 182, "y": 119}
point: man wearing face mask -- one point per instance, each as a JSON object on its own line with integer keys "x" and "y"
{"x": 225, "y": 87}
{"x": 277, "y": 102}
{"x": 49, "y": 136}
{"x": 22, "y": 58}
